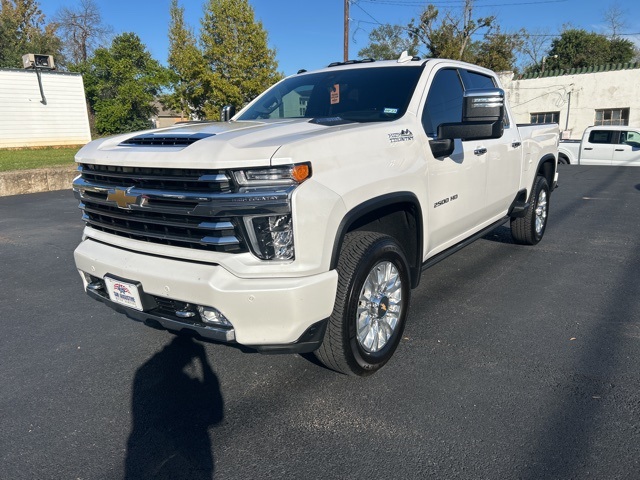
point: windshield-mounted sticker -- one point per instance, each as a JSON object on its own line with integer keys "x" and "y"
{"x": 403, "y": 136}
{"x": 391, "y": 111}
{"x": 335, "y": 94}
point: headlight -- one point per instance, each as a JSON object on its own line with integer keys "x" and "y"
{"x": 271, "y": 236}
{"x": 284, "y": 175}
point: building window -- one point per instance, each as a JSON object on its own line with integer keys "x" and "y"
{"x": 612, "y": 116}
{"x": 303, "y": 105}
{"x": 545, "y": 117}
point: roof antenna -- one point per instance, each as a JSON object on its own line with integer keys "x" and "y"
{"x": 405, "y": 57}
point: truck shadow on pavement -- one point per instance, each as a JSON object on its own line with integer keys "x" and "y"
{"x": 176, "y": 399}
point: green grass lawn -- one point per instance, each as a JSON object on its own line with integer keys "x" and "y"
{"x": 25, "y": 159}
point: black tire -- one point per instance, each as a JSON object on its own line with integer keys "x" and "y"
{"x": 529, "y": 230}
{"x": 562, "y": 160}
{"x": 342, "y": 349}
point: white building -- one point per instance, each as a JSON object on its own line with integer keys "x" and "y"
{"x": 29, "y": 117}
{"x": 577, "y": 99}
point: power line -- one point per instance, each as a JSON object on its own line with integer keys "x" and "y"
{"x": 413, "y": 3}
{"x": 355, "y": 3}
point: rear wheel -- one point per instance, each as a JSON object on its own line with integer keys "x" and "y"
{"x": 371, "y": 305}
{"x": 528, "y": 230}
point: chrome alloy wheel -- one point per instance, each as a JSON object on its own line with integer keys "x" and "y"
{"x": 541, "y": 211}
{"x": 379, "y": 307}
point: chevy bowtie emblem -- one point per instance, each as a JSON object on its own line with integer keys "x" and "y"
{"x": 121, "y": 198}
{"x": 383, "y": 307}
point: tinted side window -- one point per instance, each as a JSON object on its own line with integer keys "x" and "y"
{"x": 475, "y": 81}
{"x": 444, "y": 101}
{"x": 478, "y": 81}
{"x": 630, "y": 138}
{"x": 601, "y": 136}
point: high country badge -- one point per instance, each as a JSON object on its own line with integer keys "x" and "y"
{"x": 403, "y": 136}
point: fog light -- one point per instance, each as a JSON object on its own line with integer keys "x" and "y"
{"x": 212, "y": 316}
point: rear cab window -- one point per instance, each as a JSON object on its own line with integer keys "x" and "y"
{"x": 602, "y": 136}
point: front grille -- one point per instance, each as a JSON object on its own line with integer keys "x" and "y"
{"x": 168, "y": 206}
{"x": 202, "y": 233}
{"x": 173, "y": 179}
{"x": 195, "y": 209}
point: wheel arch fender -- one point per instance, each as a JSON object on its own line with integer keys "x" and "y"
{"x": 547, "y": 168}
{"x": 396, "y": 214}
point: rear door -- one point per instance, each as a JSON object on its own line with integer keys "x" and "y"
{"x": 627, "y": 151}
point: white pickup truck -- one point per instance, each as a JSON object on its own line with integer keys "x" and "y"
{"x": 606, "y": 145}
{"x": 304, "y": 223}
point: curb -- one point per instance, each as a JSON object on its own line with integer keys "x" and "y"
{"x": 37, "y": 180}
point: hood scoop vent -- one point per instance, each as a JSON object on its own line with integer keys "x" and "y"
{"x": 165, "y": 139}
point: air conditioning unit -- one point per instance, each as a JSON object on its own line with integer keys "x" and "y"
{"x": 33, "y": 60}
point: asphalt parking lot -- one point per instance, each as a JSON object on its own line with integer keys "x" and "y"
{"x": 517, "y": 362}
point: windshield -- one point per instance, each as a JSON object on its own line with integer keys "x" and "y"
{"x": 358, "y": 95}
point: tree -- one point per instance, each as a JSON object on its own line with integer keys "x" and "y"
{"x": 498, "y": 51}
{"x": 535, "y": 45}
{"x": 387, "y": 42}
{"x": 81, "y": 30}
{"x": 187, "y": 68}
{"x": 577, "y": 48}
{"x": 23, "y": 30}
{"x": 450, "y": 35}
{"x": 621, "y": 50}
{"x": 121, "y": 83}
{"x": 615, "y": 19}
{"x": 236, "y": 52}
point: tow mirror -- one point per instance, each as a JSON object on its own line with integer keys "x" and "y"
{"x": 482, "y": 118}
{"x": 483, "y": 105}
{"x": 227, "y": 113}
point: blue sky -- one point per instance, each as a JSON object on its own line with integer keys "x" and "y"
{"x": 308, "y": 33}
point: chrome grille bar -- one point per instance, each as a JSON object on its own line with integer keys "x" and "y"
{"x": 184, "y": 180}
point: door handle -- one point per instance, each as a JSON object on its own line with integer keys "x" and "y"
{"x": 588, "y": 148}
{"x": 516, "y": 144}
{"x": 480, "y": 151}
{"x": 619, "y": 149}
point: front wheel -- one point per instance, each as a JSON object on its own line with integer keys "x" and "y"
{"x": 371, "y": 305}
{"x": 528, "y": 230}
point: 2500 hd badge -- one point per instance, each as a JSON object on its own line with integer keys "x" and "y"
{"x": 445, "y": 201}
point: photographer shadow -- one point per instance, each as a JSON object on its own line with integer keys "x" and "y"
{"x": 176, "y": 399}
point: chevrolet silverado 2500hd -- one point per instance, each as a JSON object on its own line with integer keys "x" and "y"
{"x": 303, "y": 223}
{"x": 604, "y": 145}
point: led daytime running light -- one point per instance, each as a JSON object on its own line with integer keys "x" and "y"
{"x": 284, "y": 175}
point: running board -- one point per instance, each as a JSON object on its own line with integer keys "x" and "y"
{"x": 459, "y": 246}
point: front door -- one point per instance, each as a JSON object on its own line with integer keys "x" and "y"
{"x": 627, "y": 152}
{"x": 456, "y": 184}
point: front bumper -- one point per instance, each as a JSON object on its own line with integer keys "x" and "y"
{"x": 269, "y": 314}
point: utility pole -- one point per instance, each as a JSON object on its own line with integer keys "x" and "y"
{"x": 346, "y": 30}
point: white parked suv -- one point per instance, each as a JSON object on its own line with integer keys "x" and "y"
{"x": 304, "y": 223}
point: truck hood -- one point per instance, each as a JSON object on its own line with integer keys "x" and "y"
{"x": 210, "y": 145}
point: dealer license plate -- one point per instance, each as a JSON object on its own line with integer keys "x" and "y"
{"x": 124, "y": 293}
